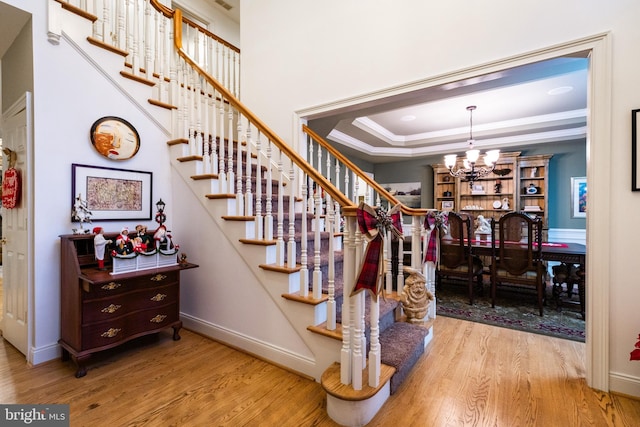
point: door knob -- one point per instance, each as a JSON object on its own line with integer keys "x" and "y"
{"x": 3, "y": 241}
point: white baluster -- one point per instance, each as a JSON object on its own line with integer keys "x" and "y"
{"x": 231, "y": 176}
{"x": 331, "y": 273}
{"x": 268, "y": 219}
{"x": 213, "y": 105}
{"x": 106, "y": 24}
{"x": 374, "y": 348}
{"x": 311, "y": 202}
{"x": 317, "y": 273}
{"x": 304, "y": 271}
{"x": 358, "y": 340}
{"x": 198, "y": 116}
{"x": 388, "y": 273}
{"x": 348, "y": 280}
{"x": 222, "y": 176}
{"x": 148, "y": 38}
{"x": 248, "y": 195}
{"x": 291, "y": 245}
{"x": 206, "y": 132}
{"x": 239, "y": 150}
{"x": 258, "y": 215}
{"x": 135, "y": 45}
{"x": 280, "y": 219}
{"x": 121, "y": 33}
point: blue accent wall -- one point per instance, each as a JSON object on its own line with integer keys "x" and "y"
{"x": 569, "y": 160}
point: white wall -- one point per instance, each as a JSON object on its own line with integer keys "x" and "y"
{"x": 218, "y": 23}
{"x": 348, "y": 49}
{"x": 351, "y": 49}
{"x": 70, "y": 92}
{"x": 68, "y": 97}
{"x": 64, "y": 113}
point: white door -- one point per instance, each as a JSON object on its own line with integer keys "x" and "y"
{"x": 17, "y": 136}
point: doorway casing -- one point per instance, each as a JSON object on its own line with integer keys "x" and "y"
{"x": 598, "y": 49}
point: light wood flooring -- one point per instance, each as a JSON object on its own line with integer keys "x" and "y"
{"x": 471, "y": 375}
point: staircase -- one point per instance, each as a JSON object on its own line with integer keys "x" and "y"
{"x": 293, "y": 224}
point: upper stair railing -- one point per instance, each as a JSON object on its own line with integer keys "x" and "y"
{"x": 195, "y": 74}
{"x": 142, "y": 30}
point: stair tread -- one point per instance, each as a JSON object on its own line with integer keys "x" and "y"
{"x": 399, "y": 340}
{"x": 401, "y": 346}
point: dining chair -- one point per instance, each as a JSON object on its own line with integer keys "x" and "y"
{"x": 456, "y": 257}
{"x": 516, "y": 254}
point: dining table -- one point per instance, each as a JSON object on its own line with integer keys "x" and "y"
{"x": 570, "y": 254}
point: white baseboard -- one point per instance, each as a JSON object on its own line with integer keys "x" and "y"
{"x": 257, "y": 348}
{"x": 568, "y": 235}
{"x": 44, "y": 354}
{"x": 624, "y": 384}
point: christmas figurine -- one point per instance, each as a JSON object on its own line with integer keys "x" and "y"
{"x": 146, "y": 241}
{"x": 123, "y": 242}
{"x": 99, "y": 244}
{"x": 162, "y": 238}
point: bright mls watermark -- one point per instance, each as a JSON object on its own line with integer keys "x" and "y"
{"x": 34, "y": 415}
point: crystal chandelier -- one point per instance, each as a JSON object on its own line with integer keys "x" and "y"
{"x": 470, "y": 171}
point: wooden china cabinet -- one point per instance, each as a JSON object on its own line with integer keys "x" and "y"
{"x": 494, "y": 195}
{"x": 533, "y": 195}
{"x": 100, "y": 310}
{"x": 518, "y": 183}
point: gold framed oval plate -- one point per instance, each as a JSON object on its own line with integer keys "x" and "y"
{"x": 115, "y": 138}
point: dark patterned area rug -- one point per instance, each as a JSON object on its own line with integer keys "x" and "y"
{"x": 515, "y": 309}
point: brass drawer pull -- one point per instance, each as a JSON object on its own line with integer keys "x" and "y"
{"x": 112, "y": 332}
{"x": 111, "y": 308}
{"x": 158, "y": 318}
{"x": 111, "y": 286}
{"x": 159, "y": 297}
{"x": 158, "y": 277}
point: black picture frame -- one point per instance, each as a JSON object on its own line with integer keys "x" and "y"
{"x": 113, "y": 194}
{"x": 635, "y": 160}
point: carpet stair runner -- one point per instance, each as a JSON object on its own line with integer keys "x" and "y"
{"x": 401, "y": 343}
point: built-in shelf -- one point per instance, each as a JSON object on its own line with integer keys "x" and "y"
{"x": 523, "y": 172}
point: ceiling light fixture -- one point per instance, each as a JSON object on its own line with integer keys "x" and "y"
{"x": 560, "y": 90}
{"x": 469, "y": 171}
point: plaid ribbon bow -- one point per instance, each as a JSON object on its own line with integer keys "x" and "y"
{"x": 374, "y": 223}
{"x": 436, "y": 222}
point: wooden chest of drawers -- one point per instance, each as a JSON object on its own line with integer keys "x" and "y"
{"x": 100, "y": 310}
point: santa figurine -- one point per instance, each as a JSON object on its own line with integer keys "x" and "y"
{"x": 99, "y": 244}
{"x": 162, "y": 238}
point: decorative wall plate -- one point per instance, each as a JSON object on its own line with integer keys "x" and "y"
{"x": 532, "y": 190}
{"x": 497, "y": 204}
{"x": 115, "y": 138}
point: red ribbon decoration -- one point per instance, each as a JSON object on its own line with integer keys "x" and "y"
{"x": 373, "y": 223}
{"x": 436, "y": 222}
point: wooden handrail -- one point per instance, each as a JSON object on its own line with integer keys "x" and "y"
{"x": 317, "y": 177}
{"x": 170, "y": 13}
{"x": 361, "y": 174}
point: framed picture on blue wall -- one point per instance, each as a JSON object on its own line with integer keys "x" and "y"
{"x": 579, "y": 197}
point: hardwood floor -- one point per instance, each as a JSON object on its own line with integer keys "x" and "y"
{"x": 472, "y": 375}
